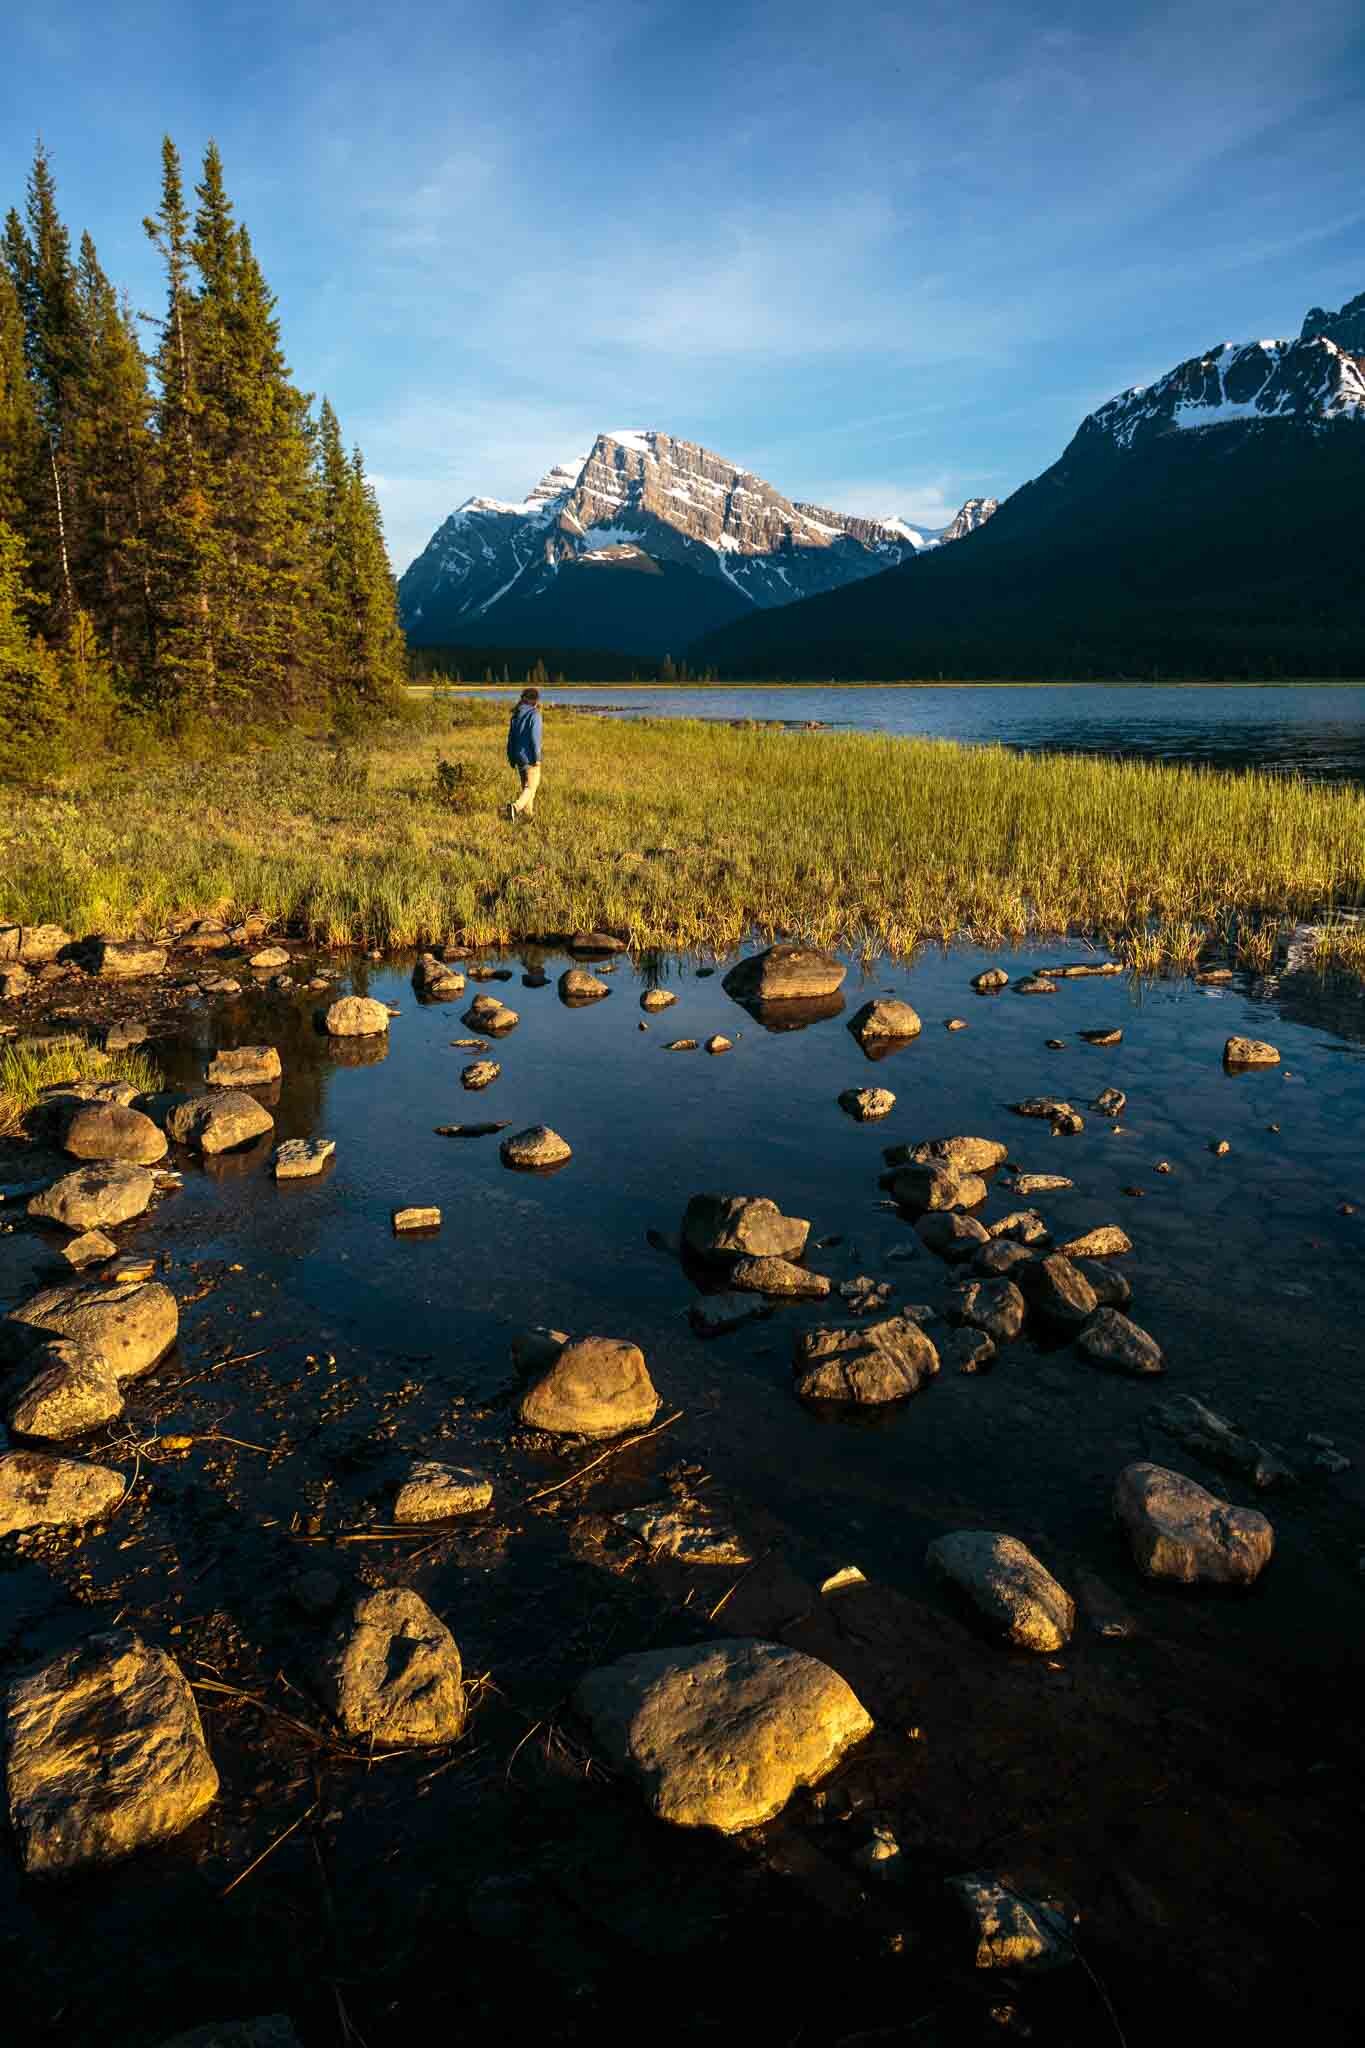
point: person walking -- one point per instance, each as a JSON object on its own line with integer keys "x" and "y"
{"x": 523, "y": 752}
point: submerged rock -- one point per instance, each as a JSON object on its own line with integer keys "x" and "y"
{"x": 720, "y": 1735}
{"x": 356, "y": 1017}
{"x": 1112, "y": 1288}
{"x": 1006, "y": 1583}
{"x": 1111, "y": 1339}
{"x": 108, "y": 1130}
{"x": 886, "y": 1361}
{"x": 998, "y": 1259}
{"x": 271, "y": 2030}
{"x": 597, "y": 1386}
{"x": 726, "y": 1227}
{"x": 1109, "y": 1034}
{"x": 1202, "y": 1430}
{"x": 1065, "y": 1121}
{"x": 106, "y": 1755}
{"x": 1039, "y": 1183}
{"x": 392, "y": 1673}
{"x": 39, "y": 1490}
{"x": 479, "y": 1074}
{"x": 964, "y": 1350}
{"x": 692, "y": 1534}
{"x": 1011, "y": 1932}
{"x": 131, "y": 1325}
{"x": 96, "y": 1196}
{"x": 777, "y": 1276}
{"x": 952, "y": 1235}
{"x": 1110, "y": 1102}
{"x": 1178, "y": 1530}
{"x": 784, "y": 973}
{"x": 1035, "y": 985}
{"x": 244, "y": 1066}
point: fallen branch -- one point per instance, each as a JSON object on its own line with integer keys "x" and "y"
{"x": 624, "y": 1445}
{"x": 243, "y": 1875}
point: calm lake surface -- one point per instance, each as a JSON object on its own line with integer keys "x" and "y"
{"x": 319, "y": 1354}
{"x": 1312, "y": 730}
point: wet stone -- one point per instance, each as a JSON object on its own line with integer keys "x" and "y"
{"x": 417, "y": 1216}
{"x": 106, "y": 1755}
{"x": 1110, "y": 1102}
{"x": 1211, "y": 1436}
{"x": 71, "y": 1390}
{"x": 718, "y": 1043}
{"x": 91, "y": 1248}
{"x": 219, "y": 1122}
{"x": 777, "y": 1276}
{"x": 964, "y": 1350}
{"x": 681, "y": 1045}
{"x": 436, "y": 980}
{"x": 720, "y": 1734}
{"x": 316, "y": 1592}
{"x": 267, "y": 957}
{"x": 783, "y": 973}
{"x": 535, "y": 1149}
{"x": 39, "y": 1490}
{"x": 244, "y": 1066}
{"x": 1058, "y": 1291}
{"x": 270, "y": 2030}
{"x": 692, "y": 1534}
{"x": 95, "y": 1196}
{"x": 392, "y": 1674}
{"x": 715, "y": 1315}
{"x": 657, "y": 999}
{"x": 937, "y": 1186}
{"x": 479, "y": 1074}
{"x": 725, "y": 1227}
{"x": 1111, "y": 1034}
{"x": 991, "y": 978}
{"x": 995, "y": 1306}
{"x": 951, "y": 1235}
{"x": 1010, "y": 1931}
{"x": 962, "y": 1154}
{"x": 1105, "y": 1241}
{"x": 128, "y": 959}
{"x": 577, "y": 985}
{"x": 1039, "y": 1183}
{"x": 1178, "y": 1530}
{"x": 886, "y": 1018}
{"x": 108, "y": 1130}
{"x": 598, "y": 1387}
{"x": 998, "y": 1259}
{"x": 1008, "y": 1586}
{"x": 1112, "y": 1287}
{"x": 1109, "y": 1338}
{"x": 302, "y": 1158}
{"x": 1035, "y": 985}
{"x": 955, "y": 1023}
{"x": 489, "y": 1014}
{"x": 1021, "y": 1226}
{"x": 886, "y": 1361}
{"x": 432, "y": 1492}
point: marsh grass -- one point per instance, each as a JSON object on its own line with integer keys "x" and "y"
{"x": 684, "y": 833}
{"x": 1340, "y": 949}
{"x": 26, "y": 1070}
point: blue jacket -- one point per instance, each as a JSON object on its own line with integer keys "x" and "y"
{"x": 523, "y": 736}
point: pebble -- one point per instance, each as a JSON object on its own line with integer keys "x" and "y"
{"x": 417, "y": 1217}
{"x": 432, "y": 1492}
{"x": 480, "y": 1074}
{"x": 302, "y": 1158}
{"x": 718, "y": 1043}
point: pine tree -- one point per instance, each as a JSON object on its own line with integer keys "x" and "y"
{"x": 44, "y": 277}
{"x": 30, "y": 685}
{"x": 362, "y": 643}
{"x": 19, "y": 443}
{"x": 118, "y": 464}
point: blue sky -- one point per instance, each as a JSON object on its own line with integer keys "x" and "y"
{"x": 887, "y": 256}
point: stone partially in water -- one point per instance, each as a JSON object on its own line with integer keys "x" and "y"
{"x": 598, "y": 1386}
{"x": 995, "y": 1306}
{"x": 1110, "y": 1034}
{"x": 417, "y": 1216}
{"x": 777, "y": 1276}
{"x": 356, "y": 1017}
{"x": 1250, "y": 1052}
{"x": 1011, "y": 1931}
{"x": 991, "y": 978}
{"x": 784, "y": 973}
{"x": 1058, "y": 1291}
{"x": 952, "y": 1235}
{"x": 1111, "y": 1339}
{"x": 1106, "y": 1241}
{"x": 965, "y": 1155}
{"x": 1039, "y": 1183}
{"x": 1212, "y": 1436}
{"x": 432, "y": 1492}
{"x": 692, "y": 1534}
{"x": 96, "y": 1196}
{"x": 937, "y": 1186}
{"x": 1110, "y": 1102}
{"x": 998, "y": 1259}
{"x": 131, "y": 1325}
{"x": 488, "y": 1013}
{"x": 725, "y": 1227}
{"x": 886, "y": 1018}
{"x": 106, "y": 1755}
{"x": 108, "y": 1130}
{"x": 720, "y": 1735}
{"x": 1113, "y": 1289}
{"x": 435, "y": 980}
{"x": 1021, "y": 1226}
{"x": 1035, "y": 985}
{"x": 39, "y": 1490}
{"x": 658, "y": 999}
{"x": 128, "y": 959}
{"x": 71, "y": 1390}
{"x": 392, "y": 1675}
{"x": 1009, "y": 1587}
{"x": 885, "y": 1361}
{"x": 964, "y": 1350}
{"x": 535, "y": 1149}
{"x": 244, "y": 1066}
{"x": 479, "y": 1074}
{"x": 219, "y": 1122}
{"x": 302, "y": 1158}
{"x": 866, "y": 1105}
{"x": 577, "y": 985}
{"x": 1178, "y": 1530}
{"x": 91, "y": 1248}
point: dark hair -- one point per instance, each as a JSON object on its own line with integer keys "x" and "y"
{"x": 530, "y": 696}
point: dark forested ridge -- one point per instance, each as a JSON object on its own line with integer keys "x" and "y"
{"x": 1229, "y": 551}
{"x": 181, "y": 539}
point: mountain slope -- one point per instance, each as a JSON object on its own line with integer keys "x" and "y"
{"x": 1204, "y": 524}
{"x": 641, "y": 545}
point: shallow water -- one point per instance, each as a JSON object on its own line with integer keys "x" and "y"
{"x": 1312, "y": 730}
{"x": 360, "y": 1348}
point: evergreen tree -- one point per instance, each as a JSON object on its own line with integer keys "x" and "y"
{"x": 44, "y": 278}
{"x": 19, "y": 442}
{"x": 362, "y": 646}
{"x": 119, "y": 470}
{"x": 30, "y": 686}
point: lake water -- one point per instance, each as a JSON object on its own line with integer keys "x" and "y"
{"x": 1198, "y": 1752}
{"x": 1312, "y": 730}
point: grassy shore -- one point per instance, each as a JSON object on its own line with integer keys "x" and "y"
{"x": 684, "y": 834}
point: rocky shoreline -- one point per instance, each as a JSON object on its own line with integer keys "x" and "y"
{"x": 695, "y": 1700}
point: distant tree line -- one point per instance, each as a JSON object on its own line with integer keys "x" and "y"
{"x": 550, "y": 665}
{"x": 182, "y": 541}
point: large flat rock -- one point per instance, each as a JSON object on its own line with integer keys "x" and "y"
{"x": 785, "y": 973}
{"x": 720, "y": 1735}
{"x": 69, "y": 1390}
{"x": 742, "y": 1226}
{"x": 132, "y": 1324}
{"x": 106, "y": 1754}
{"x": 39, "y": 1490}
{"x": 97, "y": 1196}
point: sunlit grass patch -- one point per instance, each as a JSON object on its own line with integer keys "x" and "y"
{"x": 27, "y": 1069}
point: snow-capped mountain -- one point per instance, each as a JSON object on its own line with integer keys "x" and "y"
{"x": 1313, "y": 380}
{"x": 713, "y": 541}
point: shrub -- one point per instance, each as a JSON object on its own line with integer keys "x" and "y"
{"x": 467, "y": 785}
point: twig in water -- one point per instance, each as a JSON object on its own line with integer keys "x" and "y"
{"x": 624, "y": 1445}
{"x": 243, "y": 1875}
{"x": 746, "y": 1574}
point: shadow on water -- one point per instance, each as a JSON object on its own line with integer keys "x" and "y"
{"x": 1178, "y": 1771}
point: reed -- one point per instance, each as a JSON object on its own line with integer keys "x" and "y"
{"x": 684, "y": 833}
{"x": 26, "y": 1069}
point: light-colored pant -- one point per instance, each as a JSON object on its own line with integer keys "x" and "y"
{"x": 530, "y": 783}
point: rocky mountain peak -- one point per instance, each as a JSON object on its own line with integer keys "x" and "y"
{"x": 974, "y": 513}
{"x": 1346, "y": 327}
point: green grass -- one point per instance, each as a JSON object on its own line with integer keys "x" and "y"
{"x": 684, "y": 834}
{"x": 26, "y": 1070}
